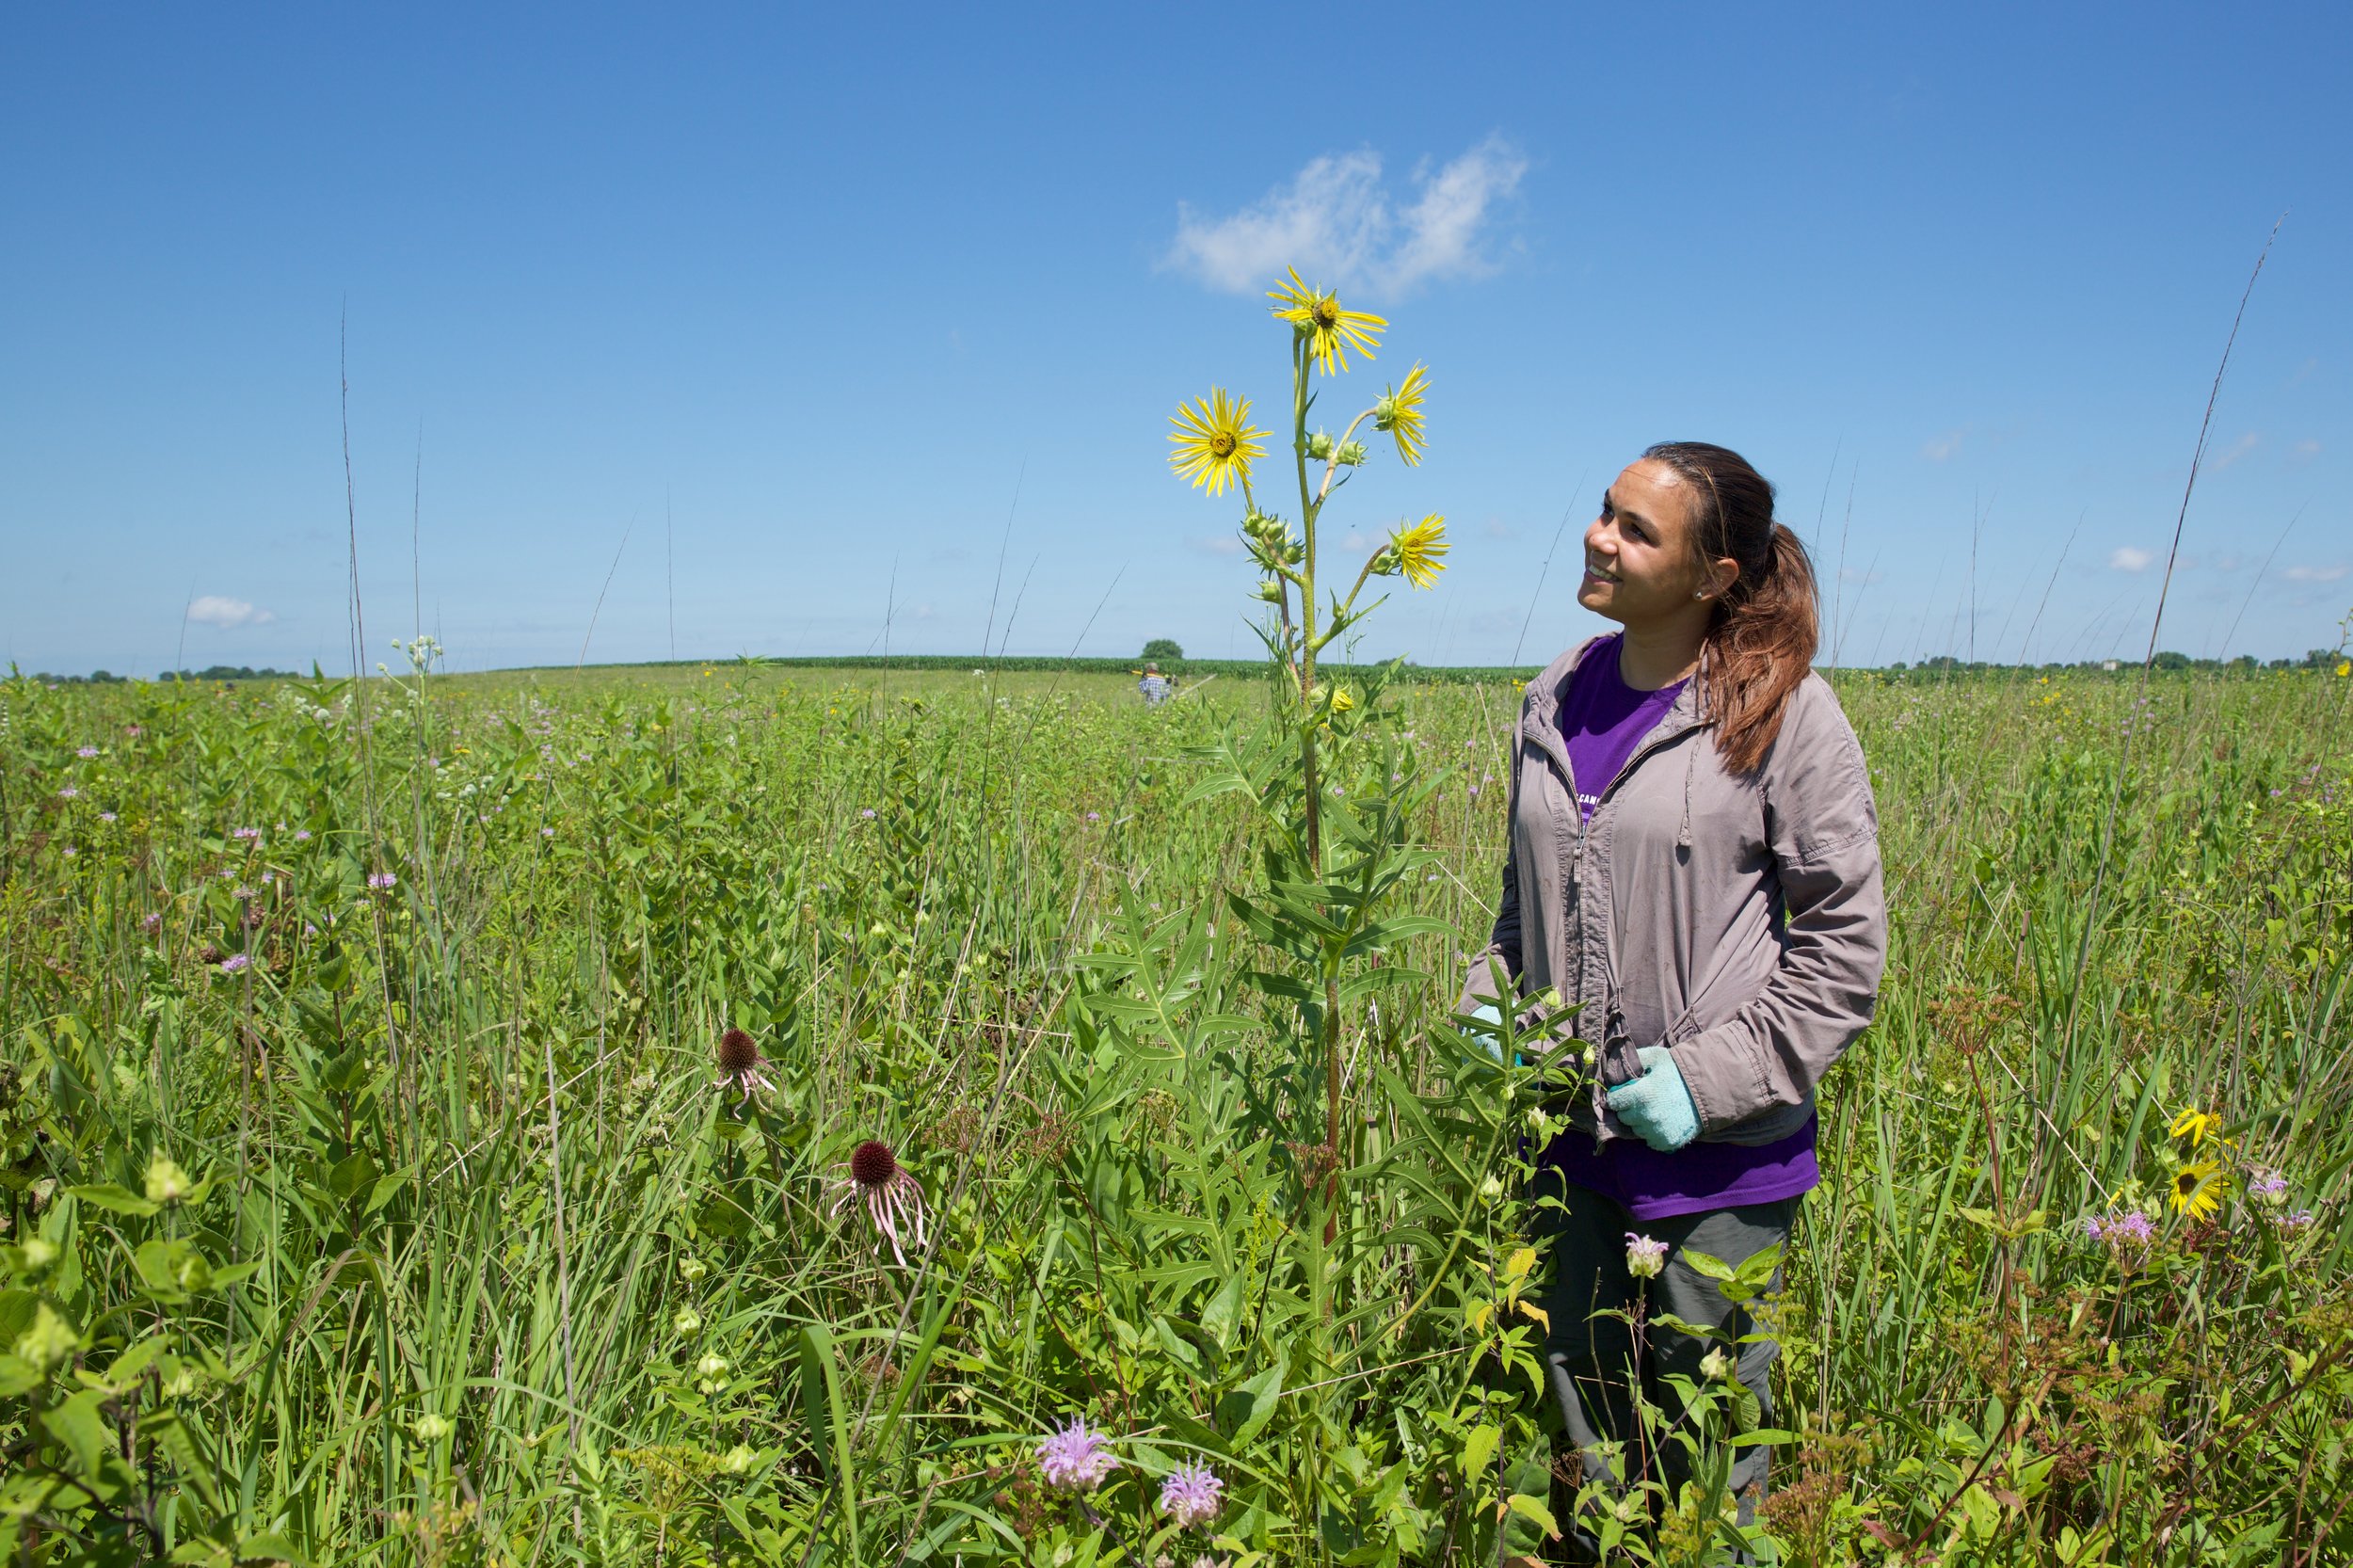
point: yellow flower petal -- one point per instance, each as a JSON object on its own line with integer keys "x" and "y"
{"x": 1213, "y": 441}
{"x": 1421, "y": 551}
{"x": 1316, "y": 315}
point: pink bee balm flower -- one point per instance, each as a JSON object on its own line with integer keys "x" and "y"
{"x": 1644, "y": 1257}
{"x": 1191, "y": 1495}
{"x": 1076, "y": 1458}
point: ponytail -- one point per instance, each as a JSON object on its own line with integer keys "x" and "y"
{"x": 1761, "y": 640}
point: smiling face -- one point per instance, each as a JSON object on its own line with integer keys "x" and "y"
{"x": 1641, "y": 568}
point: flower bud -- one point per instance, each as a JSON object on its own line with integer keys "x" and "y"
{"x": 1350, "y": 454}
{"x": 713, "y": 1366}
{"x": 691, "y": 1268}
{"x": 167, "y": 1183}
{"x": 1716, "y": 1366}
{"x": 688, "y": 1322}
{"x": 739, "y": 1460}
{"x": 430, "y": 1428}
{"x": 1490, "y": 1189}
{"x": 1320, "y": 445}
{"x": 49, "y": 1343}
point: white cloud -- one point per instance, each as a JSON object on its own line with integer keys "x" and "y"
{"x": 2304, "y": 452}
{"x": 1937, "y": 449}
{"x": 2125, "y": 558}
{"x": 2314, "y": 574}
{"x": 225, "y": 613}
{"x": 2239, "y": 448}
{"x": 1337, "y": 222}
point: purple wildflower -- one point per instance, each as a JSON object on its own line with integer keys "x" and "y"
{"x": 1076, "y": 1458}
{"x": 1645, "y": 1259}
{"x": 234, "y": 962}
{"x": 382, "y": 881}
{"x": 893, "y": 1197}
{"x": 105, "y": 816}
{"x": 2300, "y": 1220}
{"x": 2269, "y": 1187}
{"x": 86, "y": 751}
{"x": 245, "y": 832}
{"x": 302, "y": 835}
{"x": 71, "y": 852}
{"x": 1094, "y": 816}
{"x": 152, "y": 922}
{"x": 69, "y": 792}
{"x": 867, "y": 812}
{"x": 547, "y": 833}
{"x": 1190, "y": 1496}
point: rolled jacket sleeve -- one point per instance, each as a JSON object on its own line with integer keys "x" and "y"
{"x": 1822, "y": 826}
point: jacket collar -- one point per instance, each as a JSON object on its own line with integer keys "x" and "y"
{"x": 1540, "y": 717}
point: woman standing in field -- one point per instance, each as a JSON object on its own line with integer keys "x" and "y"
{"x": 1694, "y": 864}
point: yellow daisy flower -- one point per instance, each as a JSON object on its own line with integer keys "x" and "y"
{"x": 2197, "y": 1190}
{"x": 1399, "y": 414}
{"x": 1330, "y": 330}
{"x": 1420, "y": 550}
{"x": 2194, "y": 1124}
{"x": 1213, "y": 442}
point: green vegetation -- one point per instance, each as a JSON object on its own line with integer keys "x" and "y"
{"x": 368, "y": 1195}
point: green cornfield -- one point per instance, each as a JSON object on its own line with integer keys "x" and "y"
{"x": 377, "y": 1190}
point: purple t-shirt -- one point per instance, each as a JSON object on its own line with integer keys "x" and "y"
{"x": 1602, "y": 721}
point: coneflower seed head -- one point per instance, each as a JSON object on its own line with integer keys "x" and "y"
{"x": 872, "y": 1164}
{"x": 738, "y": 1052}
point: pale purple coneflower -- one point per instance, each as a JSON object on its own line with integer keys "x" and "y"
{"x": 1075, "y": 1459}
{"x": 1191, "y": 1495}
{"x": 738, "y": 1065}
{"x": 893, "y": 1197}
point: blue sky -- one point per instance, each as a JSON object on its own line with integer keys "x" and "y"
{"x": 842, "y": 309}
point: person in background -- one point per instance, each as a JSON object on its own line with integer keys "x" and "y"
{"x": 1155, "y": 686}
{"x": 1693, "y": 862}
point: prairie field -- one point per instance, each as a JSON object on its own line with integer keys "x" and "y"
{"x": 382, "y": 1182}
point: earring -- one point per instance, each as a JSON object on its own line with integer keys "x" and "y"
{"x": 1699, "y": 593}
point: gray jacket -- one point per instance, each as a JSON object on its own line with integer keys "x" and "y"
{"x": 1737, "y": 919}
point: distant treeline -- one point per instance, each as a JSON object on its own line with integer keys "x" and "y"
{"x": 950, "y": 663}
{"x": 217, "y": 672}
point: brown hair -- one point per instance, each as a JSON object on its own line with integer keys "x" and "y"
{"x": 1763, "y": 630}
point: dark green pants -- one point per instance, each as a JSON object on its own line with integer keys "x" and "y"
{"x": 1591, "y": 1359}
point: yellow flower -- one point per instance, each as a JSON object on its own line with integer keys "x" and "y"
{"x": 1399, "y": 414}
{"x": 1342, "y": 700}
{"x": 2194, "y": 1124}
{"x": 2344, "y": 666}
{"x": 1331, "y": 331}
{"x": 1213, "y": 445}
{"x": 1420, "y": 550}
{"x": 2198, "y": 1189}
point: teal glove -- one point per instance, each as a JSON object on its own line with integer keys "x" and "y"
{"x": 1488, "y": 1015}
{"x": 1657, "y": 1105}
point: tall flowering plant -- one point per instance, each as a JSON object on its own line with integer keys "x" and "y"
{"x": 1334, "y": 858}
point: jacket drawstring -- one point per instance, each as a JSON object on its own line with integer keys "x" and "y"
{"x": 1683, "y": 835}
